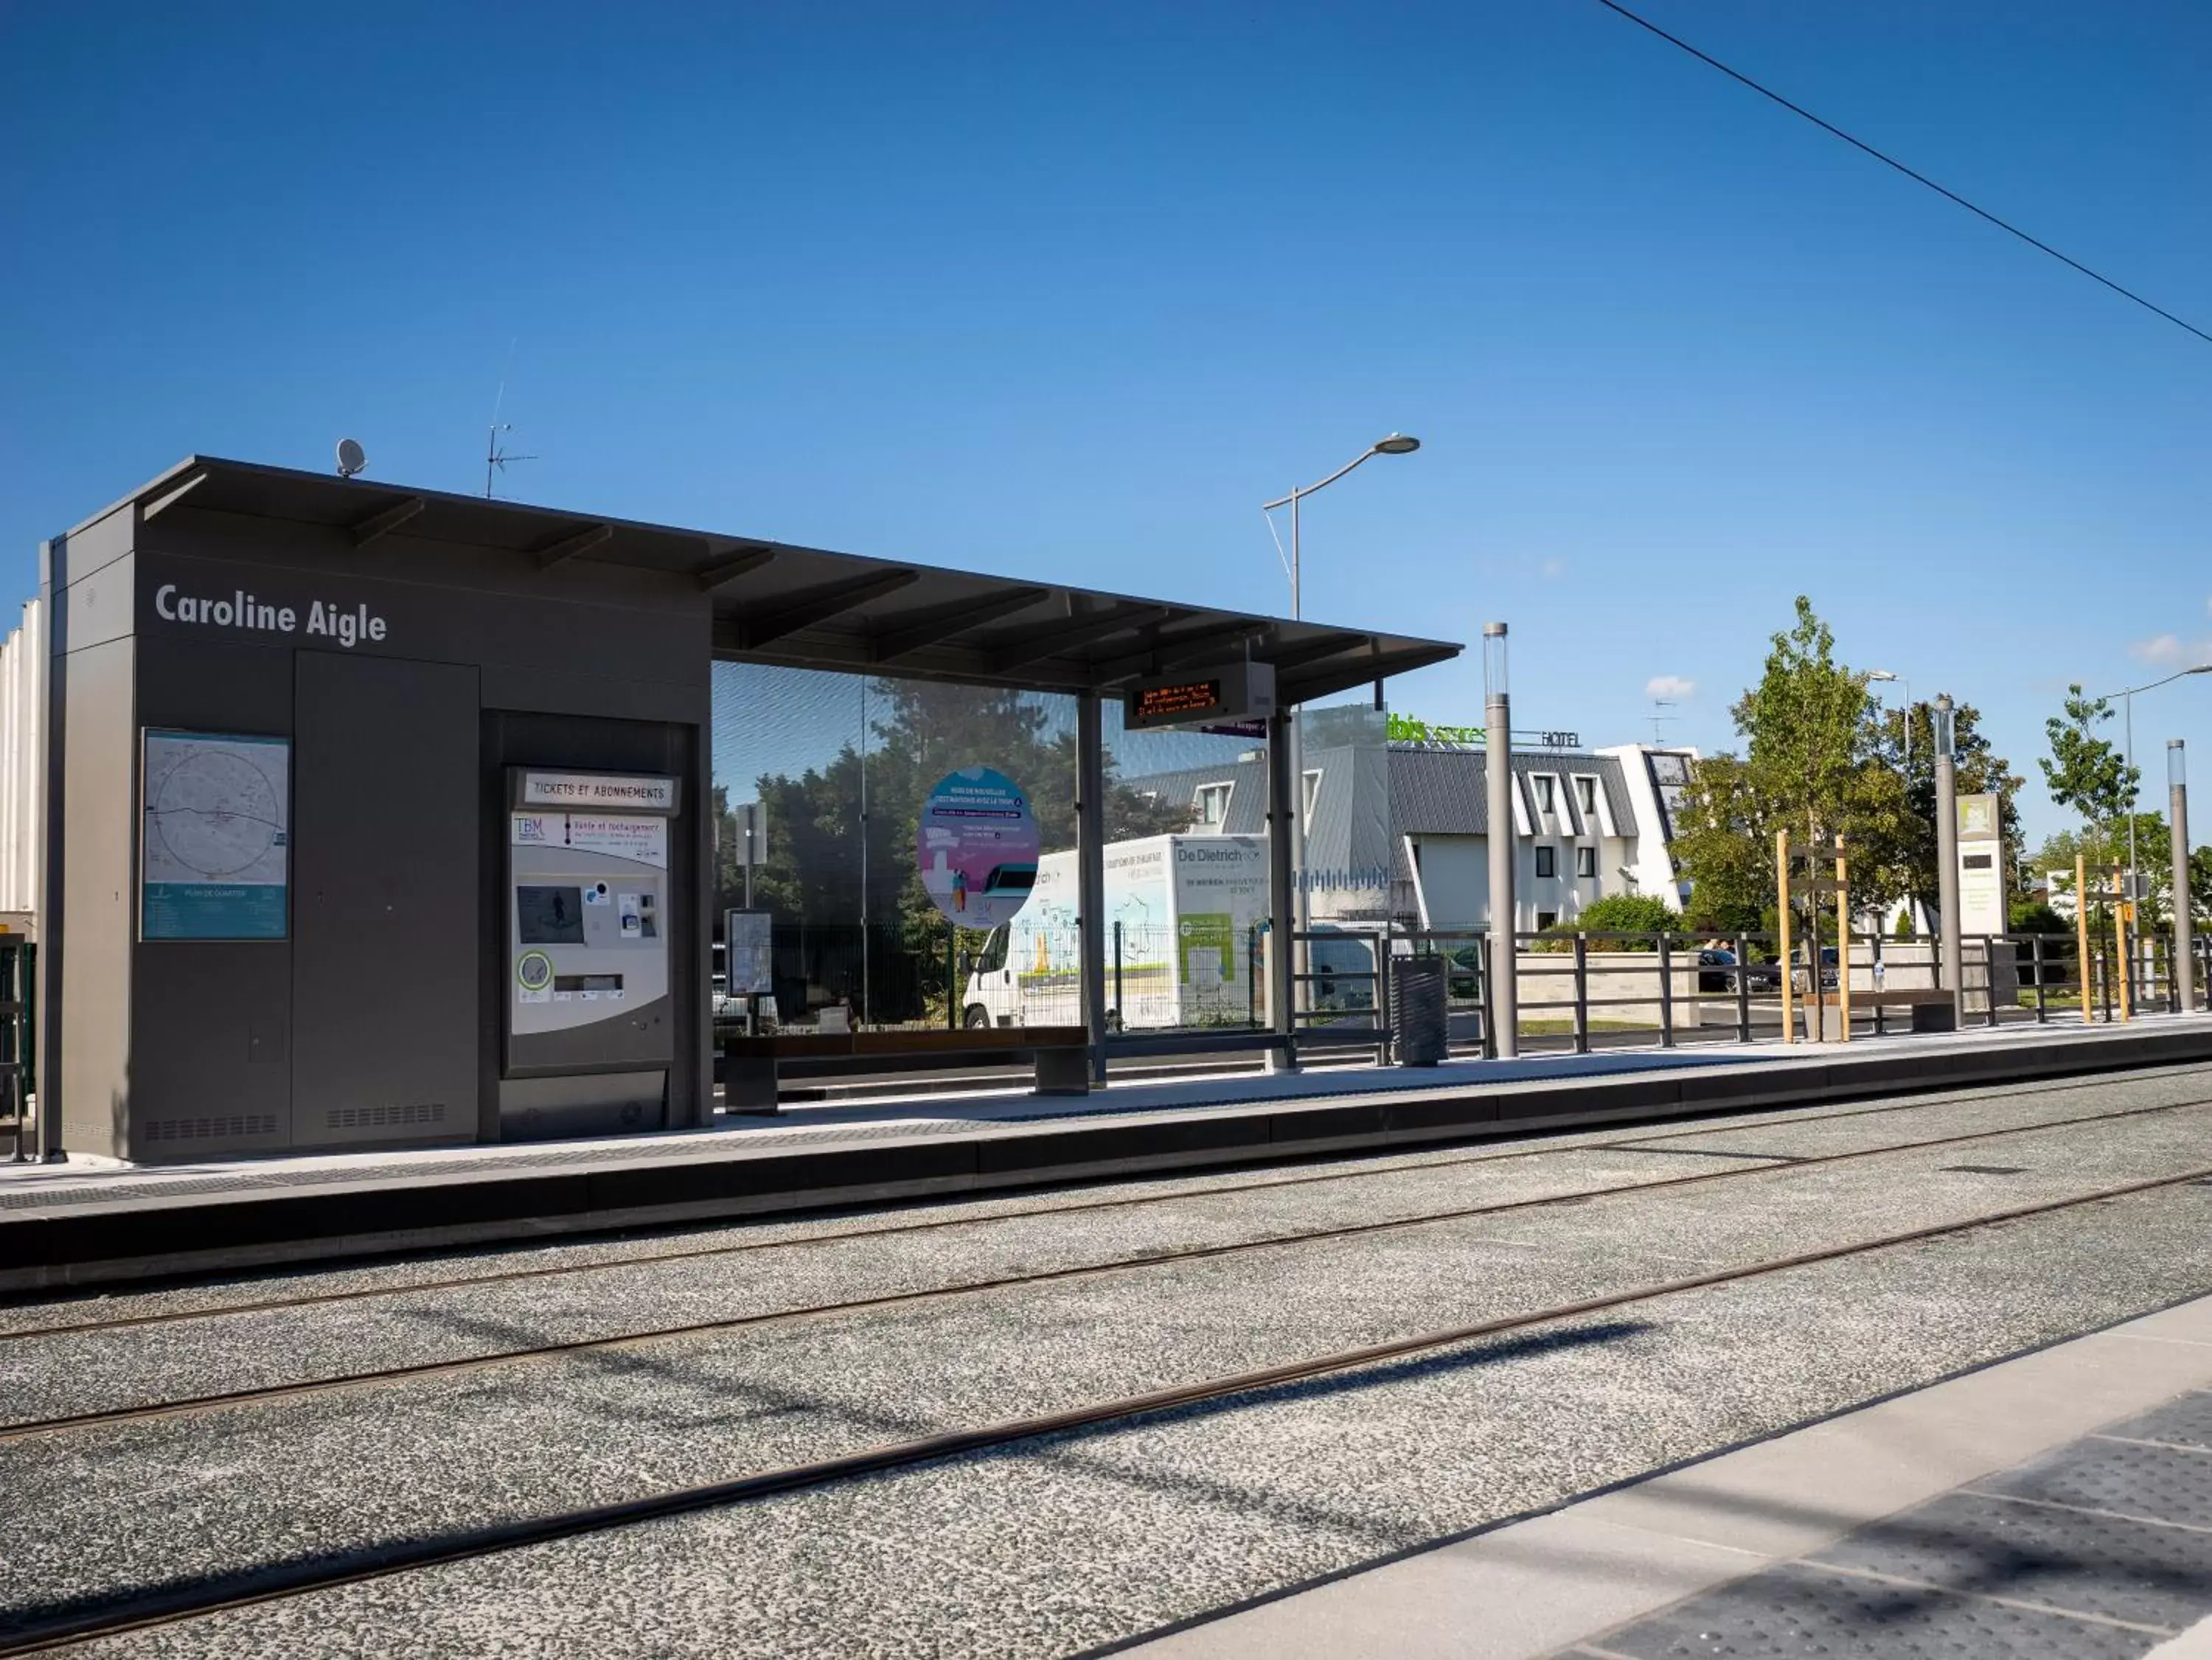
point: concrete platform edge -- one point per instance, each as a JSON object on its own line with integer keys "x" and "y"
{"x": 126, "y": 1241}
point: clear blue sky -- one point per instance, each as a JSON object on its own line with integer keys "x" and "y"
{"x": 1067, "y": 291}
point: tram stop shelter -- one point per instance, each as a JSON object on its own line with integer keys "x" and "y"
{"x": 375, "y": 816}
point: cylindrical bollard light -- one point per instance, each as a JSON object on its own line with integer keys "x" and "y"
{"x": 2184, "y": 932}
{"x": 1946, "y": 856}
{"x": 1497, "y": 765}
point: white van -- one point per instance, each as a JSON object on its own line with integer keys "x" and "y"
{"x": 1189, "y": 908}
{"x": 1191, "y": 911}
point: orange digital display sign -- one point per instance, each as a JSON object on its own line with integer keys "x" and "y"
{"x": 1173, "y": 700}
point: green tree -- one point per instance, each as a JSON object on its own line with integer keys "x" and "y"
{"x": 1623, "y": 913}
{"x": 2083, "y": 771}
{"x": 1977, "y": 769}
{"x": 1812, "y": 764}
{"x": 2104, "y": 846}
{"x": 1723, "y": 848}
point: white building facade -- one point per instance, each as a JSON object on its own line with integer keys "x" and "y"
{"x": 1399, "y": 832}
{"x": 23, "y": 750}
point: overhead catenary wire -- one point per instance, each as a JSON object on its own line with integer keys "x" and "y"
{"x": 1916, "y": 177}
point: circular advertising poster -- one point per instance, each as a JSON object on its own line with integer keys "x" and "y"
{"x": 977, "y": 847}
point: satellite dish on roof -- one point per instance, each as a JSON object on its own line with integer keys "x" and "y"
{"x": 351, "y": 457}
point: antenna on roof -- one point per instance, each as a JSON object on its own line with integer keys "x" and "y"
{"x": 351, "y": 457}
{"x": 1659, "y": 737}
{"x": 496, "y": 458}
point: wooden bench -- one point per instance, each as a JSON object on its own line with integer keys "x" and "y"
{"x": 752, "y": 1066}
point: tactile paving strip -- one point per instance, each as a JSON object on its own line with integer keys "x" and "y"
{"x": 1796, "y": 1610}
{"x": 2117, "y": 1567}
{"x": 2186, "y": 1423}
{"x": 2158, "y": 1484}
{"x": 2102, "y": 1547}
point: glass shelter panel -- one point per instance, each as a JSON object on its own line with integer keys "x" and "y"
{"x": 830, "y": 772}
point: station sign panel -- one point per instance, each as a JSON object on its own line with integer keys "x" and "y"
{"x": 618, "y": 792}
{"x": 1234, "y": 692}
{"x": 1982, "y": 908}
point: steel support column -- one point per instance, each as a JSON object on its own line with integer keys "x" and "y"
{"x": 1282, "y": 898}
{"x": 2177, "y": 818}
{"x": 1947, "y": 860}
{"x": 1498, "y": 769}
{"x": 1091, "y": 870}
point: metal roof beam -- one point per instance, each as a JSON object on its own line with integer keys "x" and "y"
{"x": 1035, "y": 645}
{"x": 803, "y": 610}
{"x": 1165, "y": 654}
{"x": 570, "y": 546}
{"x": 366, "y": 530}
{"x": 1380, "y": 666}
{"x": 1313, "y": 650}
{"x": 727, "y": 571}
{"x": 161, "y": 504}
{"x": 943, "y": 622}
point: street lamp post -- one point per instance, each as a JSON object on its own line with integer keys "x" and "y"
{"x": 1884, "y": 675}
{"x": 2127, "y": 696}
{"x": 1913, "y": 902}
{"x": 2184, "y": 944}
{"x": 1396, "y": 444}
{"x": 1946, "y": 856}
{"x": 1498, "y": 780}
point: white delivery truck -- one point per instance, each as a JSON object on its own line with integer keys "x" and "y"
{"x": 1190, "y": 909}
{"x": 1189, "y": 949}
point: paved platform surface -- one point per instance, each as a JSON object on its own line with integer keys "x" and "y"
{"x": 2056, "y": 1504}
{"x": 85, "y": 1177}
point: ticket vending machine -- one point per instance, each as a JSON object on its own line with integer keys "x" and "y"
{"x": 590, "y": 1028}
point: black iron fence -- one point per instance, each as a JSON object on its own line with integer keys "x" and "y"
{"x": 1174, "y": 987}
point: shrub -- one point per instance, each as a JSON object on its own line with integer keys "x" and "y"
{"x": 1629, "y": 913}
{"x": 1724, "y": 919}
{"x": 1619, "y": 913}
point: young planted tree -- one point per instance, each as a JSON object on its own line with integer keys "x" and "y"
{"x": 1724, "y": 849}
{"x": 1978, "y": 770}
{"x": 2083, "y": 771}
{"x": 1813, "y": 764}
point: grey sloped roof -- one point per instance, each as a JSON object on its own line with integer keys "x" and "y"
{"x": 1331, "y": 836}
{"x": 1444, "y": 792}
{"x": 812, "y": 608}
{"x": 1247, "y": 802}
{"x": 1436, "y": 792}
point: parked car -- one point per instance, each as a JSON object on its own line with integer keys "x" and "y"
{"x": 1829, "y": 961}
{"x": 1343, "y": 969}
{"x": 1718, "y": 971}
{"x": 1463, "y": 974}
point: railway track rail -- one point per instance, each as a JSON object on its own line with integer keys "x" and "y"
{"x": 530, "y": 1353}
{"x": 63, "y": 1627}
{"x": 939, "y": 1224}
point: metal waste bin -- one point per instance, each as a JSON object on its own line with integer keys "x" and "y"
{"x": 1417, "y": 999}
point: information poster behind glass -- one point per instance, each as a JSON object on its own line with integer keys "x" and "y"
{"x": 214, "y": 846}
